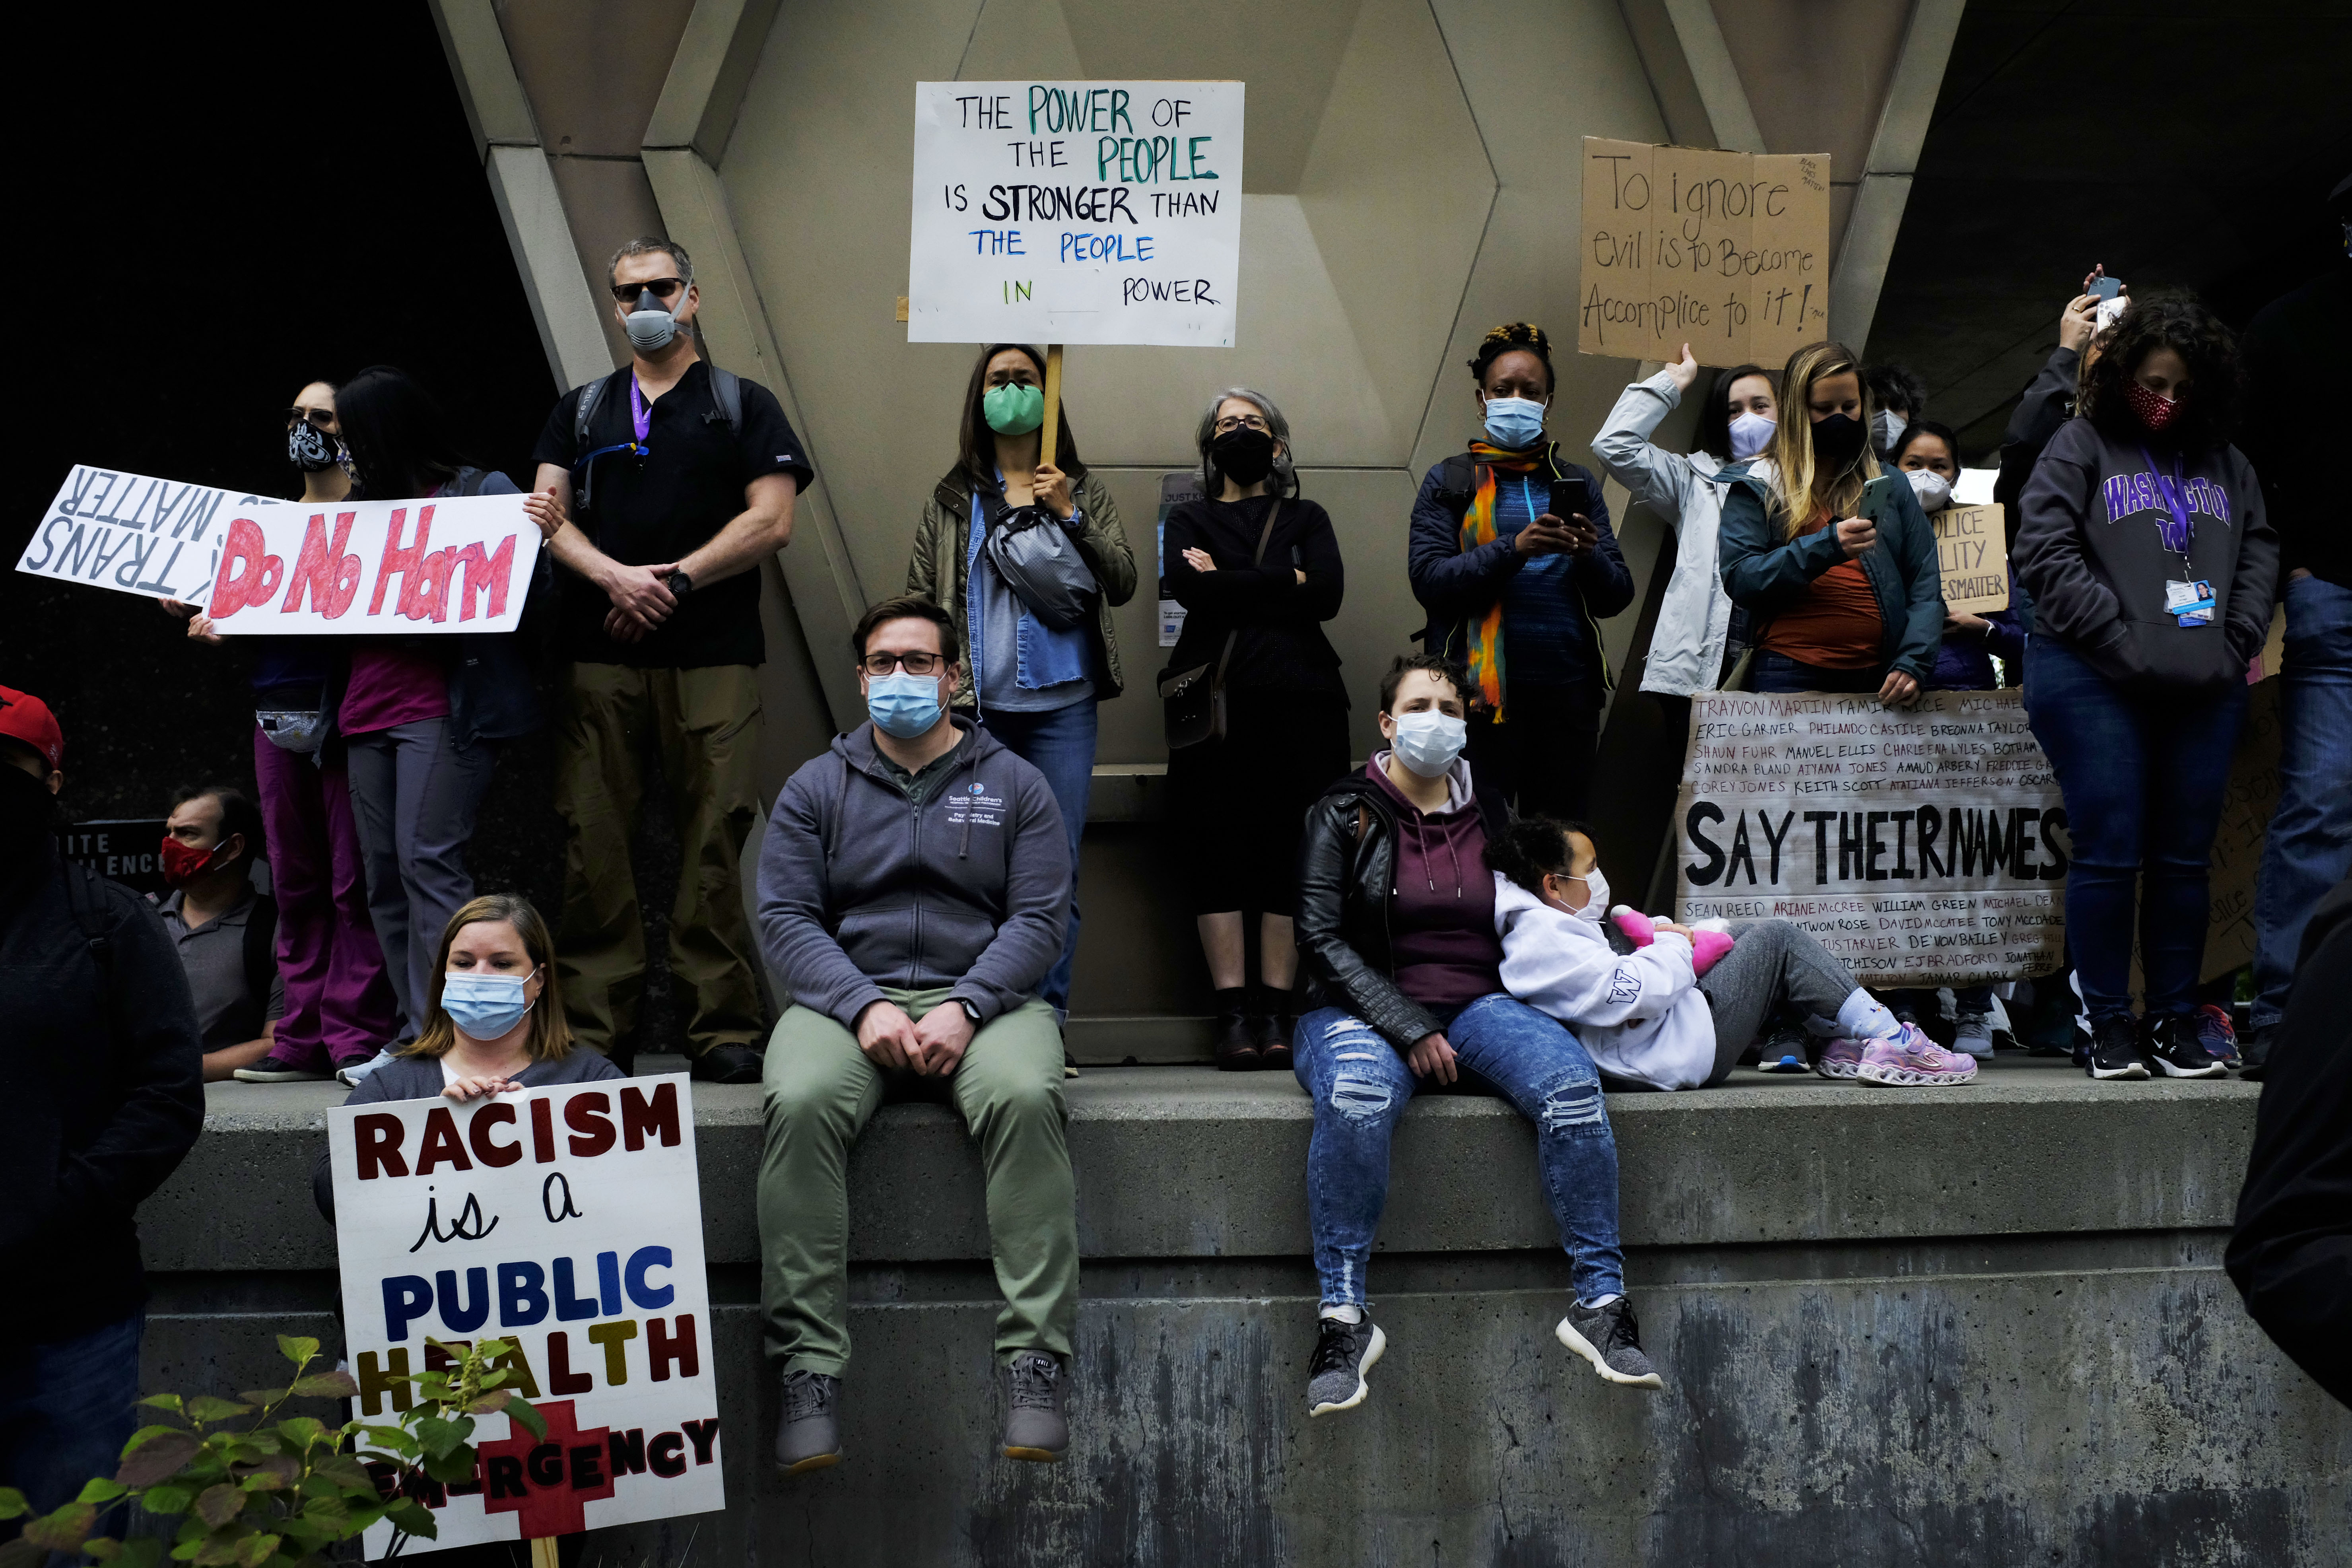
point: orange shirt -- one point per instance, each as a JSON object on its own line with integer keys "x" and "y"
{"x": 1836, "y": 625}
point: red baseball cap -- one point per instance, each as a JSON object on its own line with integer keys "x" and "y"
{"x": 25, "y": 717}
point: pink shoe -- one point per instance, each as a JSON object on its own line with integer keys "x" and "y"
{"x": 1840, "y": 1058}
{"x": 1911, "y": 1060}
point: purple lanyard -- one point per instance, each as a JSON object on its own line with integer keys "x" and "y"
{"x": 2175, "y": 534}
{"x": 641, "y": 414}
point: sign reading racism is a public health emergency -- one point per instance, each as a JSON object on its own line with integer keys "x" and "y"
{"x": 1728, "y": 252}
{"x": 1927, "y": 846}
{"x": 569, "y": 1222}
{"x": 1075, "y": 212}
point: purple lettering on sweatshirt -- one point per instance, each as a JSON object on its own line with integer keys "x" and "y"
{"x": 2127, "y": 493}
{"x": 1441, "y": 909}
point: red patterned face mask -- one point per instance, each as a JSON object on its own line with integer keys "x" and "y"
{"x": 2155, "y": 410}
{"x": 183, "y": 862}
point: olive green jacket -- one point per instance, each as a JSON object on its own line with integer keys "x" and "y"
{"x": 935, "y": 571}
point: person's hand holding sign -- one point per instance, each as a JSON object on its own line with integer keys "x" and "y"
{"x": 1856, "y": 536}
{"x": 1050, "y": 488}
{"x": 1685, "y": 373}
{"x": 463, "y": 1088}
{"x": 1897, "y": 689}
{"x": 545, "y": 508}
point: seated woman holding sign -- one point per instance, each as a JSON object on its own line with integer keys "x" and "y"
{"x": 1834, "y": 560}
{"x": 1676, "y": 1011}
{"x": 495, "y": 1024}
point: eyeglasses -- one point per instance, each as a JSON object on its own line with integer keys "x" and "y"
{"x": 1233, "y": 421}
{"x": 914, "y": 663}
{"x": 322, "y": 417}
{"x": 663, "y": 287}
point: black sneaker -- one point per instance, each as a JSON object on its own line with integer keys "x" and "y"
{"x": 1343, "y": 1354}
{"x": 1611, "y": 1339}
{"x": 725, "y": 1064}
{"x": 808, "y": 1437}
{"x": 2176, "y": 1050}
{"x": 2254, "y": 1051}
{"x": 2115, "y": 1049}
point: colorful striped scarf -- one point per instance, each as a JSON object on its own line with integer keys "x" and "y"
{"x": 1486, "y": 657}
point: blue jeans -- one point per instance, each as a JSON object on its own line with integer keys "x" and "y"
{"x": 1061, "y": 745}
{"x": 1776, "y": 672}
{"x": 2143, "y": 775}
{"x": 66, "y": 1410}
{"x": 1360, "y": 1085}
{"x": 2309, "y": 848}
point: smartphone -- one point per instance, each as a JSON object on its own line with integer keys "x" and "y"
{"x": 2106, "y": 287}
{"x": 1571, "y": 497}
{"x": 1877, "y": 501}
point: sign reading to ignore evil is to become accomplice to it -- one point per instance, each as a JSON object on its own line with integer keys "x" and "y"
{"x": 1925, "y": 847}
{"x": 1728, "y": 252}
{"x": 569, "y": 1223}
{"x": 1075, "y": 212}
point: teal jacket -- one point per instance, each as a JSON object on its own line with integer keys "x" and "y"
{"x": 1765, "y": 573}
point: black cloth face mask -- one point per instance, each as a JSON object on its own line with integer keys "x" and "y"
{"x": 1242, "y": 455}
{"x": 312, "y": 449}
{"x": 1837, "y": 441}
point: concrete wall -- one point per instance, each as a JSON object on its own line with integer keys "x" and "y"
{"x": 1980, "y": 1326}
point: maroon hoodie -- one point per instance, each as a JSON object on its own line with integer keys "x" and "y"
{"x": 1442, "y": 916}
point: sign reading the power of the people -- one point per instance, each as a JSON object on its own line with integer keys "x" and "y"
{"x": 1927, "y": 846}
{"x": 569, "y": 1223}
{"x": 107, "y": 529}
{"x": 1728, "y": 252}
{"x": 1075, "y": 212}
{"x": 462, "y": 564}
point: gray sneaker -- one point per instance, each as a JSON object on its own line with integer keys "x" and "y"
{"x": 1610, "y": 1339}
{"x": 809, "y": 1435}
{"x": 1036, "y": 1426}
{"x": 1343, "y": 1354}
{"x": 1972, "y": 1033}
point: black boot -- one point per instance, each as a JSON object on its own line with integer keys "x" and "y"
{"x": 1273, "y": 1023}
{"x": 1236, "y": 1042}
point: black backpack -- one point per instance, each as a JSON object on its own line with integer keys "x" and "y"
{"x": 726, "y": 390}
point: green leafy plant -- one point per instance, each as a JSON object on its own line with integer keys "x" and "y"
{"x": 279, "y": 1491}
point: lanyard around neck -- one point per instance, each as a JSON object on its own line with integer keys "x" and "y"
{"x": 2174, "y": 493}
{"x": 641, "y": 413}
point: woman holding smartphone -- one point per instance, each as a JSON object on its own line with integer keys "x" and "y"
{"x": 1512, "y": 556}
{"x": 1844, "y": 593}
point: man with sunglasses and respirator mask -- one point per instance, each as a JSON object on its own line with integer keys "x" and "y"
{"x": 661, "y": 488}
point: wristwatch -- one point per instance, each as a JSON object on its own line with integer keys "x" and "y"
{"x": 679, "y": 585}
{"x": 969, "y": 1011}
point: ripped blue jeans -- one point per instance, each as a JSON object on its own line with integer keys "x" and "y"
{"x": 1360, "y": 1085}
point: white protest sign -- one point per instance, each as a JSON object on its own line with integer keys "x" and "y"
{"x": 107, "y": 529}
{"x": 1927, "y": 848}
{"x": 568, "y": 1221}
{"x": 376, "y": 568}
{"x": 1075, "y": 212}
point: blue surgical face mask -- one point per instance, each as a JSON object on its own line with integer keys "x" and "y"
{"x": 1514, "y": 424}
{"x": 902, "y": 705}
{"x": 484, "y": 1006}
{"x": 1750, "y": 434}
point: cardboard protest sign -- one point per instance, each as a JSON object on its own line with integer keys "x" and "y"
{"x": 1927, "y": 848}
{"x": 374, "y": 568}
{"x": 1725, "y": 251}
{"x": 1972, "y": 553}
{"x": 568, "y": 1221}
{"x": 106, "y": 529}
{"x": 1075, "y": 212}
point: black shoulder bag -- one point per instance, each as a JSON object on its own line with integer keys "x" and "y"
{"x": 1195, "y": 698}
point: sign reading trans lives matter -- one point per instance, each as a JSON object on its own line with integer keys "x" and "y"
{"x": 1075, "y": 212}
{"x": 107, "y": 529}
{"x": 569, "y": 1223}
{"x": 1924, "y": 847}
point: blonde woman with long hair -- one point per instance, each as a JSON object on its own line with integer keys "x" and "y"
{"x": 1837, "y": 603}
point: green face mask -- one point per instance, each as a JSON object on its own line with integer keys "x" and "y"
{"x": 1014, "y": 410}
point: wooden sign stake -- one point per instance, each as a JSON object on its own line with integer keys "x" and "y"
{"x": 1052, "y": 404}
{"x": 542, "y": 1552}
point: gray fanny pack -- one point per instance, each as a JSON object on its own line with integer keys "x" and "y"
{"x": 298, "y": 730}
{"x": 1040, "y": 563}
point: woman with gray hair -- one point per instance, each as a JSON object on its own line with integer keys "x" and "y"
{"x": 1256, "y": 568}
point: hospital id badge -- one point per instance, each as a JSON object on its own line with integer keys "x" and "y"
{"x": 2191, "y": 604}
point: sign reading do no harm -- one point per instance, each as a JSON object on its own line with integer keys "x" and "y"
{"x": 1075, "y": 212}
{"x": 569, "y": 1222}
{"x": 376, "y": 568}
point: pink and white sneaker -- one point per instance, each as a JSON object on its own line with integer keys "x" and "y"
{"x": 1840, "y": 1058}
{"x": 1909, "y": 1059}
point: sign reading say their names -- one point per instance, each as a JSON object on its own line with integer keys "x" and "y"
{"x": 567, "y": 1222}
{"x": 1923, "y": 847}
{"x": 1075, "y": 212}
{"x": 462, "y": 564}
{"x": 1728, "y": 252}
{"x": 1972, "y": 553}
{"x": 107, "y": 529}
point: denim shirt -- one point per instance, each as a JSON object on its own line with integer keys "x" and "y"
{"x": 1051, "y": 668}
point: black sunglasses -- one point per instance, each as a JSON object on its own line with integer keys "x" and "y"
{"x": 322, "y": 417}
{"x": 663, "y": 287}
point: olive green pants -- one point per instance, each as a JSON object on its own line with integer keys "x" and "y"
{"x": 704, "y": 727}
{"x": 821, "y": 1090}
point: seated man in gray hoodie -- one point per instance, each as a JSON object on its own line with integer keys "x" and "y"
{"x": 913, "y": 889}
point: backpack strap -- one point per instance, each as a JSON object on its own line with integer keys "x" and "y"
{"x": 1457, "y": 483}
{"x": 726, "y": 391}
{"x": 85, "y": 897}
{"x": 260, "y": 952}
{"x": 1363, "y": 821}
{"x": 591, "y": 393}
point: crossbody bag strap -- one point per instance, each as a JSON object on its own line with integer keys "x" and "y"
{"x": 1264, "y": 534}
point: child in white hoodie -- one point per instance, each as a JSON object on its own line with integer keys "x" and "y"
{"x": 1647, "y": 1018}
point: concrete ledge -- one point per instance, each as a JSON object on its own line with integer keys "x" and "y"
{"x": 1190, "y": 1162}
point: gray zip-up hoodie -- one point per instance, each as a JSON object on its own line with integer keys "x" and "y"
{"x": 860, "y": 888}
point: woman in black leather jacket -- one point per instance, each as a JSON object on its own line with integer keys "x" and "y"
{"x": 1400, "y": 970}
